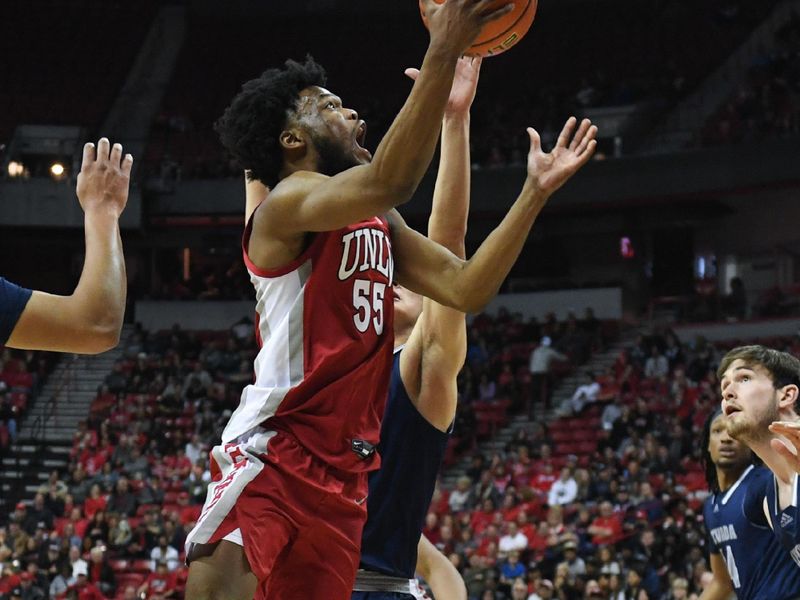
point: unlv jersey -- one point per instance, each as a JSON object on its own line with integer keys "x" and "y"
{"x": 324, "y": 323}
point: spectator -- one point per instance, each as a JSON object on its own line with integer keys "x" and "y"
{"x": 575, "y": 565}
{"x": 583, "y": 395}
{"x": 77, "y": 563}
{"x": 160, "y": 584}
{"x": 564, "y": 490}
{"x": 519, "y": 590}
{"x": 166, "y": 553}
{"x": 461, "y": 497}
{"x": 29, "y": 589}
{"x": 656, "y": 366}
{"x": 540, "y": 364}
{"x": 511, "y": 569}
{"x": 513, "y": 540}
{"x": 100, "y": 572}
{"x": 544, "y": 590}
{"x": 122, "y": 501}
{"x": 607, "y": 526}
{"x": 96, "y": 501}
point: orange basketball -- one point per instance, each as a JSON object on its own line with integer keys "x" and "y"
{"x": 498, "y": 36}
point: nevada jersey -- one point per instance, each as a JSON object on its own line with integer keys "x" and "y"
{"x": 324, "y": 324}
{"x": 400, "y": 492}
{"x": 13, "y": 300}
{"x": 786, "y": 522}
{"x": 759, "y": 567}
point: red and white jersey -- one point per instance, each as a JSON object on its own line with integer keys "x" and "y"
{"x": 325, "y": 327}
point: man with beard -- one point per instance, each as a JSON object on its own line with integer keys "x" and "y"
{"x": 759, "y": 394}
{"x": 746, "y": 558}
{"x": 288, "y": 498}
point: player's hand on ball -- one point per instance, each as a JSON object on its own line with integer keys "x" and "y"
{"x": 465, "y": 84}
{"x": 454, "y": 24}
{"x": 105, "y": 177}
{"x": 548, "y": 171}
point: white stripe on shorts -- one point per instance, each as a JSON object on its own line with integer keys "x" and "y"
{"x": 239, "y": 466}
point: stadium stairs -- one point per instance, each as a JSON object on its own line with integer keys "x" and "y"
{"x": 681, "y": 126}
{"x": 599, "y": 363}
{"x": 45, "y": 435}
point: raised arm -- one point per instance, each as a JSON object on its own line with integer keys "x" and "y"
{"x": 89, "y": 321}
{"x": 307, "y": 202}
{"x": 435, "y": 351}
{"x": 440, "y": 574}
{"x": 433, "y": 271}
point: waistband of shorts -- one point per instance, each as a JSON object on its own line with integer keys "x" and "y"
{"x": 345, "y": 477}
{"x": 371, "y": 581}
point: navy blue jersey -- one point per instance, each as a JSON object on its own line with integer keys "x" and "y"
{"x": 759, "y": 567}
{"x": 786, "y": 522}
{"x": 400, "y": 492}
{"x": 13, "y": 300}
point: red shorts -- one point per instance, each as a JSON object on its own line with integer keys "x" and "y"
{"x": 298, "y": 520}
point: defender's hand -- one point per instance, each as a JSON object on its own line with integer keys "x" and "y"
{"x": 549, "y": 171}
{"x": 465, "y": 84}
{"x": 105, "y": 177}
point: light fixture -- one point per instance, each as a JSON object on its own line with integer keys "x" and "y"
{"x": 57, "y": 170}
{"x": 15, "y": 169}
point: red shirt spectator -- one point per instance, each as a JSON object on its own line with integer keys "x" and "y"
{"x": 606, "y": 527}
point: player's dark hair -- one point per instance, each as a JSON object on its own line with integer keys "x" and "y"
{"x": 708, "y": 465}
{"x": 783, "y": 368}
{"x": 251, "y": 126}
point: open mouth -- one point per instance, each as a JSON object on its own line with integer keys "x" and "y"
{"x": 361, "y": 133}
{"x": 730, "y": 409}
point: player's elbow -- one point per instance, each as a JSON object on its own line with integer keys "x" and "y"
{"x": 101, "y": 338}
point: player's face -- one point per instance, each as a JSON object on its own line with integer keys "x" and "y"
{"x": 336, "y": 132}
{"x": 725, "y": 451}
{"x": 407, "y": 308}
{"x": 749, "y": 401}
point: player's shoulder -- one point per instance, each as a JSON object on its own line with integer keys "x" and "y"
{"x": 758, "y": 476}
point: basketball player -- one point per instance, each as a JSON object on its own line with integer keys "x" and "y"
{"x": 288, "y": 500}
{"x": 759, "y": 394}
{"x": 746, "y": 558}
{"x": 89, "y": 321}
{"x": 430, "y": 347}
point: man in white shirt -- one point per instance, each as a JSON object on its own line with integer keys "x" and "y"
{"x": 541, "y": 360}
{"x": 656, "y": 366}
{"x": 164, "y": 552}
{"x": 460, "y": 497}
{"x": 585, "y": 394}
{"x": 564, "y": 489}
{"x": 513, "y": 540}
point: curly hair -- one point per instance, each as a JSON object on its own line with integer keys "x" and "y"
{"x": 250, "y": 127}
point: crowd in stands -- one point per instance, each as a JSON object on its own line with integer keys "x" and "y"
{"x": 768, "y": 102}
{"x": 21, "y": 376}
{"x": 603, "y": 502}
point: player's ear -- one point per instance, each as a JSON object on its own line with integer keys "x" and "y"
{"x": 788, "y": 397}
{"x": 292, "y": 140}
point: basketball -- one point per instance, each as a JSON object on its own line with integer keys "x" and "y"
{"x": 498, "y": 36}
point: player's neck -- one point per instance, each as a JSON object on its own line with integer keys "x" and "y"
{"x": 727, "y": 477}
{"x": 401, "y": 337}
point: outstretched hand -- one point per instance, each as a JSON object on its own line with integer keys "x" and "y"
{"x": 465, "y": 84}
{"x": 548, "y": 171}
{"x": 789, "y": 451}
{"x": 105, "y": 177}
